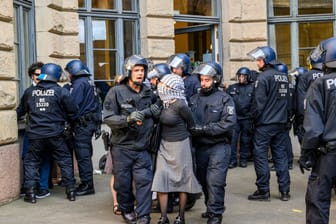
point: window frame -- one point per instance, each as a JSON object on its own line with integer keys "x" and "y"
{"x": 88, "y": 14}
{"x": 212, "y": 23}
{"x": 25, "y": 55}
{"x": 294, "y": 19}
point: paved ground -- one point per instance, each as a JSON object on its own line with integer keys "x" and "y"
{"x": 98, "y": 208}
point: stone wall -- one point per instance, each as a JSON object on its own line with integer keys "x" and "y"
{"x": 243, "y": 30}
{"x": 157, "y": 29}
{"x": 57, "y": 35}
{"x": 9, "y": 149}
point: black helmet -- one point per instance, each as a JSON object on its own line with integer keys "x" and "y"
{"x": 50, "y": 72}
{"x": 212, "y": 69}
{"x": 77, "y": 68}
{"x": 159, "y": 70}
{"x": 130, "y": 62}
{"x": 179, "y": 60}
{"x": 244, "y": 71}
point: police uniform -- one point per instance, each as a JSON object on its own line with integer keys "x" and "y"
{"x": 130, "y": 144}
{"x": 242, "y": 97}
{"x": 303, "y": 83}
{"x": 191, "y": 84}
{"x": 48, "y": 105}
{"x": 320, "y": 132}
{"x": 84, "y": 124}
{"x": 216, "y": 112}
{"x": 271, "y": 111}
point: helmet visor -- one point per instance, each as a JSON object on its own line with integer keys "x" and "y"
{"x": 153, "y": 74}
{"x": 317, "y": 53}
{"x": 176, "y": 62}
{"x": 256, "y": 54}
{"x": 205, "y": 69}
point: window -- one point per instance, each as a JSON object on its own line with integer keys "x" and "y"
{"x": 297, "y": 26}
{"x": 196, "y": 29}
{"x": 108, "y": 33}
{"x": 24, "y": 42}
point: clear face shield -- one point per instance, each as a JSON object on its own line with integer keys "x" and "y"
{"x": 153, "y": 74}
{"x": 316, "y": 54}
{"x": 256, "y": 54}
{"x": 176, "y": 62}
{"x": 205, "y": 69}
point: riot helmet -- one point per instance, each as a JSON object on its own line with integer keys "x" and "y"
{"x": 159, "y": 70}
{"x": 50, "y": 72}
{"x": 330, "y": 53}
{"x": 281, "y": 68}
{"x": 77, "y": 68}
{"x": 179, "y": 60}
{"x": 246, "y": 72}
{"x": 298, "y": 71}
{"x": 266, "y": 53}
{"x": 211, "y": 69}
{"x": 129, "y": 64}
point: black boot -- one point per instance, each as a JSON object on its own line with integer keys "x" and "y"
{"x": 71, "y": 193}
{"x": 214, "y": 219}
{"x": 30, "y": 195}
{"x": 85, "y": 189}
{"x": 259, "y": 196}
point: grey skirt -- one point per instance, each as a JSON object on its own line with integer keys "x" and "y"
{"x": 174, "y": 168}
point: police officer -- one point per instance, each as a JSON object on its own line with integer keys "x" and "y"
{"x": 85, "y": 123}
{"x": 305, "y": 79}
{"x": 215, "y": 118}
{"x": 34, "y": 71}
{"x": 129, "y": 109}
{"x": 291, "y": 85}
{"x": 48, "y": 106}
{"x": 271, "y": 112}
{"x": 180, "y": 64}
{"x": 242, "y": 93}
{"x": 319, "y": 141}
{"x": 159, "y": 70}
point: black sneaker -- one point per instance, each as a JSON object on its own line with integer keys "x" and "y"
{"x": 143, "y": 220}
{"x": 259, "y": 196}
{"x": 42, "y": 193}
{"x": 242, "y": 164}
{"x": 232, "y": 165}
{"x": 284, "y": 196}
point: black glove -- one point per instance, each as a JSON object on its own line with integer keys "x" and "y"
{"x": 97, "y": 132}
{"x": 156, "y": 110}
{"x": 136, "y": 116}
{"x": 198, "y": 130}
{"x": 305, "y": 160}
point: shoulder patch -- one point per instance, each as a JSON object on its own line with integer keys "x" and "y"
{"x": 230, "y": 110}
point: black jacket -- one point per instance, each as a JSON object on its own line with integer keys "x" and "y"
{"x": 271, "y": 99}
{"x": 242, "y": 97}
{"x": 320, "y": 114}
{"x": 48, "y": 106}
{"x": 216, "y": 112}
{"x": 120, "y": 102}
{"x": 303, "y": 83}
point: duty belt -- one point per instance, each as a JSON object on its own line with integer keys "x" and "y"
{"x": 87, "y": 117}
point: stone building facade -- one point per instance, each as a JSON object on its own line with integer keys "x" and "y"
{"x": 244, "y": 26}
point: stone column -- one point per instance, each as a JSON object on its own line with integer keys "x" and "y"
{"x": 57, "y": 31}
{"x": 9, "y": 149}
{"x": 244, "y": 28}
{"x": 157, "y": 29}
